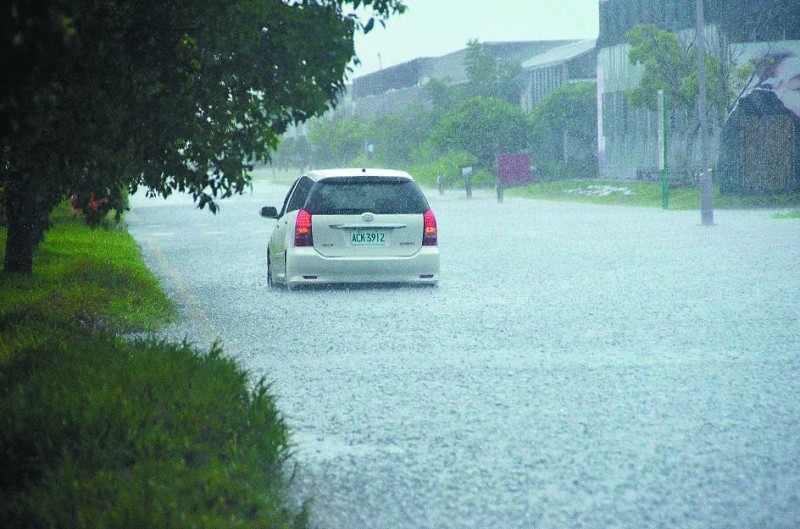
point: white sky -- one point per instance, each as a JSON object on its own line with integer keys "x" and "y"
{"x": 430, "y": 28}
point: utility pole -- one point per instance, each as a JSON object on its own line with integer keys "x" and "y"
{"x": 706, "y": 208}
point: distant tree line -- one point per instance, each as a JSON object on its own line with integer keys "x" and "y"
{"x": 461, "y": 125}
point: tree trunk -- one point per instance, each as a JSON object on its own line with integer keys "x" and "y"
{"x": 28, "y": 217}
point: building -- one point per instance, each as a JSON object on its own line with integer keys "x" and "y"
{"x": 556, "y": 67}
{"x": 760, "y": 142}
{"x": 394, "y": 88}
{"x": 742, "y": 29}
{"x": 546, "y": 65}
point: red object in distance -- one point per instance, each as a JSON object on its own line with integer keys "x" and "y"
{"x": 514, "y": 169}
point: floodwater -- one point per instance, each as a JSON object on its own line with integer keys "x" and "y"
{"x": 577, "y": 366}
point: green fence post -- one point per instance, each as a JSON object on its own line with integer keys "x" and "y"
{"x": 663, "y": 129}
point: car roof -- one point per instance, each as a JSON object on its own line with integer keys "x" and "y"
{"x": 320, "y": 174}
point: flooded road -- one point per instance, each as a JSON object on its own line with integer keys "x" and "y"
{"x": 577, "y": 366}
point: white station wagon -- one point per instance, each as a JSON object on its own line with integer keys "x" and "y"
{"x": 353, "y": 226}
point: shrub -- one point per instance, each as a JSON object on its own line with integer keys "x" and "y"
{"x": 553, "y": 171}
{"x": 96, "y": 431}
{"x": 2, "y": 207}
{"x": 136, "y": 434}
{"x": 427, "y": 169}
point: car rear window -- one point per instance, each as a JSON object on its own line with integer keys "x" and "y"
{"x": 348, "y": 196}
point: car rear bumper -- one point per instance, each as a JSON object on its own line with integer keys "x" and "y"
{"x": 305, "y": 266}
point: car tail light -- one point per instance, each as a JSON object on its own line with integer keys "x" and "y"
{"x": 430, "y": 234}
{"x": 302, "y": 229}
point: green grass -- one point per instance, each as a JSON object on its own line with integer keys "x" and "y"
{"x": 101, "y": 431}
{"x": 272, "y": 174}
{"x": 104, "y": 432}
{"x": 789, "y": 215}
{"x": 646, "y": 195}
{"x": 85, "y": 277}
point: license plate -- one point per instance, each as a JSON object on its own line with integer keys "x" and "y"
{"x": 368, "y": 238}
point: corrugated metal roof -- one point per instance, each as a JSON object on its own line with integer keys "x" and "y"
{"x": 559, "y": 54}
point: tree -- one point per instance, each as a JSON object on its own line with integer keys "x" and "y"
{"x": 567, "y": 116}
{"x": 666, "y": 63}
{"x": 169, "y": 94}
{"x": 443, "y": 96}
{"x": 486, "y": 77}
{"x": 342, "y": 141}
{"x": 337, "y": 142}
{"x": 670, "y": 64}
{"x": 397, "y": 135}
{"x": 483, "y": 127}
{"x": 293, "y": 153}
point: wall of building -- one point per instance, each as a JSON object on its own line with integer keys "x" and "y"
{"x": 627, "y": 136}
{"x": 391, "y": 102}
{"x": 388, "y": 90}
{"x": 539, "y": 83}
{"x": 557, "y": 67}
{"x": 629, "y": 143}
{"x": 391, "y": 78}
{"x": 741, "y": 20}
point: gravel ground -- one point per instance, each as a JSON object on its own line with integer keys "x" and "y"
{"x": 578, "y": 366}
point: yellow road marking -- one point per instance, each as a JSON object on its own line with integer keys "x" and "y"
{"x": 196, "y": 313}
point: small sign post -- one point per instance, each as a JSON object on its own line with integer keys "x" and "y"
{"x": 663, "y": 127}
{"x": 466, "y": 172}
{"x": 512, "y": 170}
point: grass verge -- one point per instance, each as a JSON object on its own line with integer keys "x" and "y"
{"x": 273, "y": 174}
{"x": 641, "y": 194}
{"x": 646, "y": 195}
{"x": 85, "y": 278}
{"x": 101, "y": 431}
{"x": 789, "y": 215}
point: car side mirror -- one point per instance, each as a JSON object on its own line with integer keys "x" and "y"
{"x": 269, "y": 212}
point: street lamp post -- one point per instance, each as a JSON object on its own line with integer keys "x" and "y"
{"x": 706, "y": 208}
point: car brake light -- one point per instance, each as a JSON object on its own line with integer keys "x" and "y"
{"x": 302, "y": 229}
{"x": 429, "y": 234}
